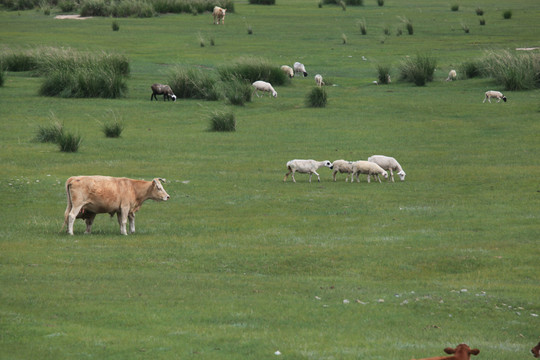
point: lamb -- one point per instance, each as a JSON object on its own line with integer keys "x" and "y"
{"x": 369, "y": 168}
{"x": 342, "y": 166}
{"x": 219, "y": 14}
{"x": 165, "y": 90}
{"x": 299, "y": 68}
{"x": 306, "y": 167}
{"x": 319, "y": 80}
{"x": 452, "y": 75}
{"x": 536, "y": 351}
{"x": 288, "y": 70}
{"x": 494, "y": 94}
{"x": 461, "y": 352}
{"x": 388, "y": 163}
{"x": 263, "y": 86}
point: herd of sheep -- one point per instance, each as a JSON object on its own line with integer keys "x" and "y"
{"x": 375, "y": 166}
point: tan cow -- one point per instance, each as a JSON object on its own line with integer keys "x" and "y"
{"x": 219, "y": 14}
{"x": 88, "y": 196}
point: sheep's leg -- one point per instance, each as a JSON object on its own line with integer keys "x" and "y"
{"x": 287, "y": 175}
{"x": 334, "y": 175}
{"x": 378, "y": 178}
{"x": 369, "y": 178}
{"x": 392, "y": 175}
{"x": 318, "y": 177}
{"x": 292, "y": 175}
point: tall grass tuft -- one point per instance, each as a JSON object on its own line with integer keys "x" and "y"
{"x": 222, "y": 121}
{"x": 344, "y": 39}
{"x": 262, "y": 2}
{"x": 237, "y": 92}
{"x": 19, "y": 60}
{"x": 253, "y": 69}
{"x": 69, "y": 142}
{"x": 380, "y": 2}
{"x": 67, "y": 5}
{"x": 343, "y": 5}
{"x": 317, "y": 98}
{"x": 471, "y": 69}
{"x": 113, "y": 129}
{"x": 513, "y": 71}
{"x": 465, "y": 28}
{"x": 345, "y": 2}
{"x": 454, "y": 7}
{"x": 507, "y": 14}
{"x": 408, "y": 25}
{"x": 482, "y": 21}
{"x": 362, "y": 25}
{"x": 418, "y": 70}
{"x": 194, "y": 84}
{"x": 2, "y": 74}
{"x": 50, "y": 133}
{"x": 383, "y": 73}
{"x": 479, "y": 12}
{"x": 115, "y": 25}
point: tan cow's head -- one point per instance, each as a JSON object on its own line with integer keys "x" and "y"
{"x": 158, "y": 193}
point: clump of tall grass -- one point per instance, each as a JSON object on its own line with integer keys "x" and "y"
{"x": 317, "y": 97}
{"x": 222, "y": 121}
{"x": 253, "y": 69}
{"x": 115, "y": 25}
{"x": 471, "y": 69}
{"x": 50, "y": 133}
{"x": 249, "y": 30}
{"x": 482, "y": 21}
{"x": 19, "y": 60}
{"x": 386, "y": 30}
{"x": 363, "y": 26}
{"x": 194, "y": 84}
{"x": 383, "y": 73}
{"x": 237, "y": 92}
{"x": 408, "y": 25}
{"x": 69, "y": 142}
{"x": 380, "y": 2}
{"x": 343, "y": 5}
{"x": 67, "y": 5}
{"x": 201, "y": 40}
{"x": 507, "y": 14}
{"x": 465, "y": 28}
{"x": 344, "y": 39}
{"x": 72, "y": 74}
{"x": 346, "y": 2}
{"x": 454, "y": 7}
{"x": 262, "y": 2}
{"x": 479, "y": 12}
{"x": 113, "y": 129}
{"x": 513, "y": 71}
{"x": 2, "y": 74}
{"x": 418, "y": 70}
{"x": 95, "y": 8}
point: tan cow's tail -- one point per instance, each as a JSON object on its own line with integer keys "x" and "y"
{"x": 69, "y": 203}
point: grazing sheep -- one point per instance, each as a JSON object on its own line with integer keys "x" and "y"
{"x": 369, "y": 168}
{"x": 494, "y": 94}
{"x": 461, "y": 352}
{"x": 536, "y": 351}
{"x": 452, "y": 75}
{"x": 305, "y": 167}
{"x": 165, "y": 90}
{"x": 299, "y": 68}
{"x": 263, "y": 86}
{"x": 342, "y": 166}
{"x": 288, "y": 70}
{"x": 219, "y": 14}
{"x": 388, "y": 163}
{"x": 319, "y": 80}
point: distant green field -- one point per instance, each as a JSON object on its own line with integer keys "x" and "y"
{"x": 238, "y": 264}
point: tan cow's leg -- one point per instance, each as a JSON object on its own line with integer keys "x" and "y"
{"x": 71, "y": 218}
{"x": 131, "y": 218}
{"x": 89, "y": 221}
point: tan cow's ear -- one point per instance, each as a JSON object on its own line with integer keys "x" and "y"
{"x": 162, "y": 180}
{"x": 475, "y": 351}
{"x": 449, "y": 350}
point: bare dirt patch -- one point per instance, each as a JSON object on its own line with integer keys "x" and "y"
{"x": 74, "y": 17}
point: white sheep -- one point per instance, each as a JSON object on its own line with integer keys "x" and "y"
{"x": 452, "y": 75}
{"x": 318, "y": 80}
{"x": 263, "y": 86}
{"x": 306, "y": 167}
{"x": 299, "y": 68}
{"x": 288, "y": 70}
{"x": 494, "y": 94}
{"x": 369, "y": 168}
{"x": 342, "y": 166}
{"x": 388, "y": 163}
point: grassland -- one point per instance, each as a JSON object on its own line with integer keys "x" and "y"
{"x": 238, "y": 264}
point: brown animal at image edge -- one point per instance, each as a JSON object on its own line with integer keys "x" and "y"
{"x": 461, "y": 352}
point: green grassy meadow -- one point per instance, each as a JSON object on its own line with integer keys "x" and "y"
{"x": 238, "y": 264}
